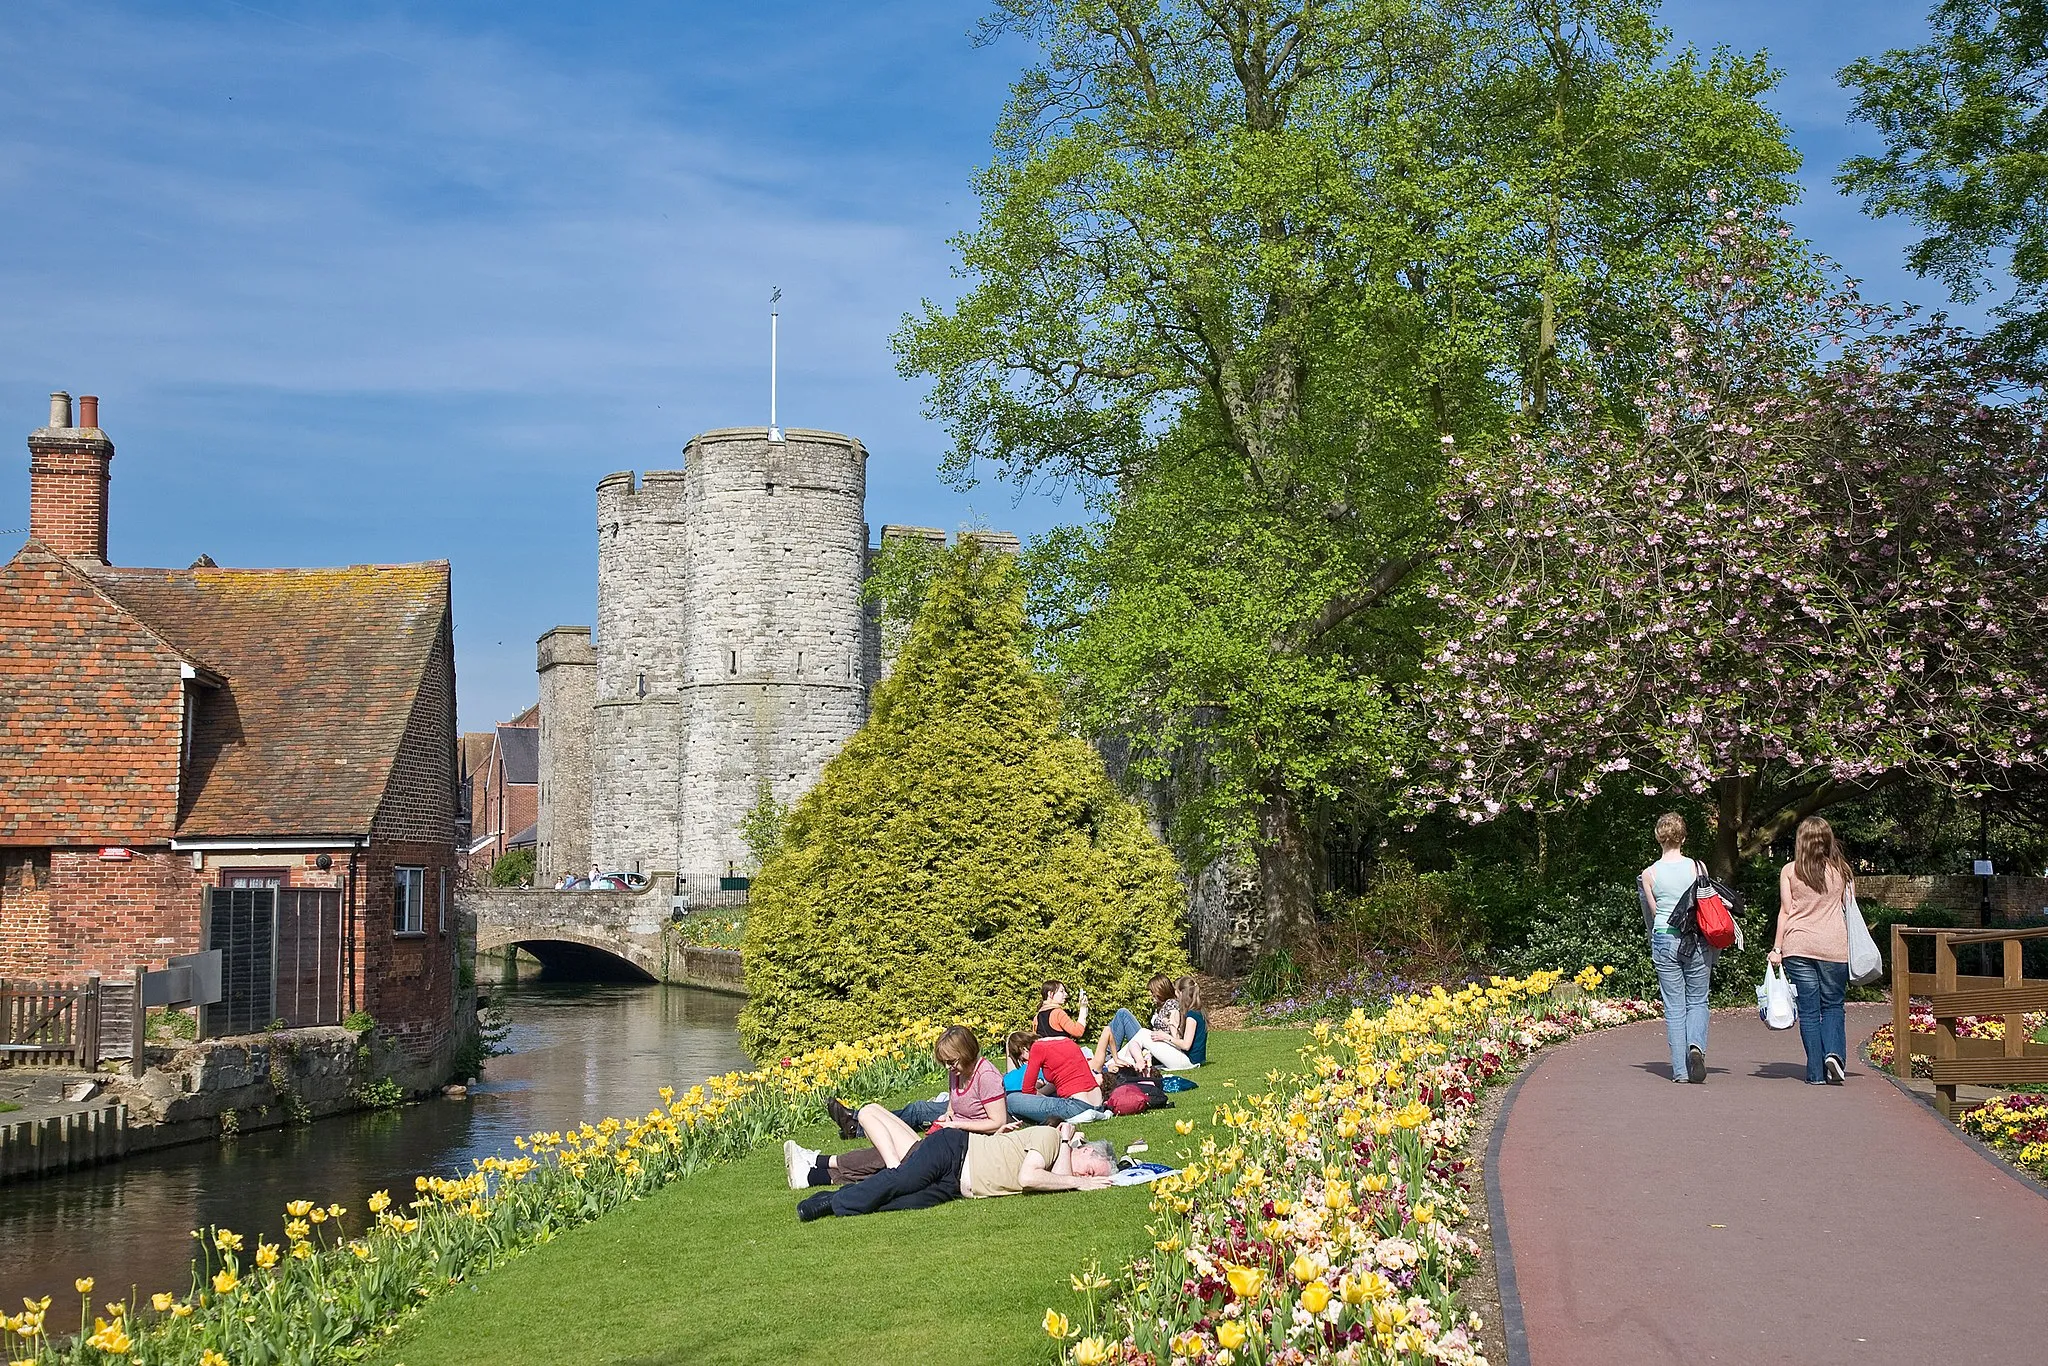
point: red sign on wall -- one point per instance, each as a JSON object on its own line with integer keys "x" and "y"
{"x": 114, "y": 853}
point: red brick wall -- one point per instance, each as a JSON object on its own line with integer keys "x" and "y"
{"x": 2012, "y": 898}
{"x": 67, "y": 491}
{"x": 24, "y": 926}
{"x": 106, "y": 916}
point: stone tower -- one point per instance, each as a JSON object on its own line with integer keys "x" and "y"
{"x": 568, "y": 690}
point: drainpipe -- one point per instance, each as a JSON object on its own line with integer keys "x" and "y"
{"x": 350, "y": 947}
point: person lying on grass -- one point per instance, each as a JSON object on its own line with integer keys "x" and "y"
{"x": 1058, "y": 1083}
{"x": 974, "y": 1092}
{"x": 953, "y": 1164}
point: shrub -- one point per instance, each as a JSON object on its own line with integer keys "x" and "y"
{"x": 1605, "y": 927}
{"x": 513, "y": 869}
{"x": 959, "y": 850}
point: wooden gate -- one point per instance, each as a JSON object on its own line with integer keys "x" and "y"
{"x": 45, "y": 1024}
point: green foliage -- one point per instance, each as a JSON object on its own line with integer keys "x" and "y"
{"x": 170, "y": 1022}
{"x": 898, "y": 578}
{"x": 381, "y": 1093}
{"x": 958, "y": 851}
{"x": 1274, "y": 974}
{"x": 1604, "y": 927}
{"x": 513, "y": 868}
{"x": 711, "y": 929}
{"x": 492, "y": 1024}
{"x": 761, "y": 828}
{"x": 1965, "y": 124}
{"x": 359, "y": 1022}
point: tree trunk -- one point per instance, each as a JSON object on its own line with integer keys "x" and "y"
{"x": 1286, "y": 885}
{"x": 1729, "y": 819}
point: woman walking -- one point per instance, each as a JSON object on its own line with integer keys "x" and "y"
{"x": 1813, "y": 945}
{"x": 1685, "y": 966}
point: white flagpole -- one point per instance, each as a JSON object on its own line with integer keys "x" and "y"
{"x": 774, "y": 321}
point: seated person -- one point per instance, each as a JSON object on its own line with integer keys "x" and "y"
{"x": 974, "y": 1092}
{"x": 1058, "y": 1083}
{"x": 1053, "y": 1019}
{"x": 1129, "y": 1044}
{"x": 1193, "y": 1040}
{"x": 954, "y": 1164}
{"x": 1016, "y": 1048}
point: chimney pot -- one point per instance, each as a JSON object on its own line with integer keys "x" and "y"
{"x": 88, "y": 410}
{"x": 60, "y": 409}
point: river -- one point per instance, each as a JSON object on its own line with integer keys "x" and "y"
{"x": 577, "y": 1051}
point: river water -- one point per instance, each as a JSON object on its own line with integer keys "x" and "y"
{"x": 578, "y": 1051}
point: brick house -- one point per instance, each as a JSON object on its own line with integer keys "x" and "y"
{"x": 166, "y": 731}
{"x": 504, "y": 790}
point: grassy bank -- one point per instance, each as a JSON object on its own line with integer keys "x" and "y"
{"x": 716, "y": 1268}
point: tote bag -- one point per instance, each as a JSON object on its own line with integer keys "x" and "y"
{"x": 1779, "y": 1012}
{"x": 1866, "y": 964}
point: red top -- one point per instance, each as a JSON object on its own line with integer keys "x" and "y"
{"x": 1064, "y": 1063}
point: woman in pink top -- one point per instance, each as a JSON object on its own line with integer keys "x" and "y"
{"x": 1813, "y": 945}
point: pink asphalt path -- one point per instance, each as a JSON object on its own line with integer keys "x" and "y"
{"x": 1756, "y": 1219}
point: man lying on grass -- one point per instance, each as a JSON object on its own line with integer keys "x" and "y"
{"x": 953, "y": 1164}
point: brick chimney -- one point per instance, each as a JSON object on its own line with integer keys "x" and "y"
{"x": 67, "y": 481}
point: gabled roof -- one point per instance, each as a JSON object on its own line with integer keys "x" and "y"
{"x": 476, "y": 749}
{"x": 519, "y": 751}
{"x": 323, "y": 668}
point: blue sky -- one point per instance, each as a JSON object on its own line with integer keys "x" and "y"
{"x": 382, "y": 282}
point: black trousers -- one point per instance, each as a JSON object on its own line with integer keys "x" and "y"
{"x": 929, "y": 1175}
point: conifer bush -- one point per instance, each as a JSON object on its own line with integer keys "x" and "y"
{"x": 960, "y": 850}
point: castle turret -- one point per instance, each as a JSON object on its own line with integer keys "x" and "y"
{"x": 568, "y": 692}
{"x": 778, "y": 551}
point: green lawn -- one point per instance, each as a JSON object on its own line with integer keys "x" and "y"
{"x": 717, "y": 1268}
{"x": 6, "y": 1105}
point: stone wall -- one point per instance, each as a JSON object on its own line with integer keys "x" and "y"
{"x": 1959, "y": 894}
{"x": 567, "y": 667}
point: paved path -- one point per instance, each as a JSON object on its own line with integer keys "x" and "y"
{"x": 1757, "y": 1219}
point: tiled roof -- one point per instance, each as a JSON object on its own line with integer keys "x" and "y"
{"x": 323, "y": 667}
{"x": 90, "y": 711}
{"x": 476, "y": 749}
{"x": 519, "y": 751}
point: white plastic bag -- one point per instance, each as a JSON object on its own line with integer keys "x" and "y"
{"x": 1866, "y": 964}
{"x": 1776, "y": 994}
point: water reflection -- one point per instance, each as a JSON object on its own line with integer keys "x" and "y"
{"x": 579, "y": 1051}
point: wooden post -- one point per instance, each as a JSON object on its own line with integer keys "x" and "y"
{"x": 1944, "y": 1029}
{"x": 88, "y": 1035}
{"x": 2015, "y": 1020}
{"x": 138, "y": 1063}
{"x": 1902, "y": 1009}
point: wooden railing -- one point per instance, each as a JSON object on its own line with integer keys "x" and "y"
{"x": 2012, "y": 1061}
{"x": 41, "y": 1023}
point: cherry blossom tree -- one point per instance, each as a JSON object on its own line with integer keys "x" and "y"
{"x": 1806, "y": 562}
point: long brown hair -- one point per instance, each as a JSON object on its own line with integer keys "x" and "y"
{"x": 1814, "y": 851}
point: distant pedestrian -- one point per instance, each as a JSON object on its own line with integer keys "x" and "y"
{"x": 1684, "y": 964}
{"x": 1813, "y": 945}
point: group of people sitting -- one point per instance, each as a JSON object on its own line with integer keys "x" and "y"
{"x": 969, "y": 1143}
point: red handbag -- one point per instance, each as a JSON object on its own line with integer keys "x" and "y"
{"x": 1712, "y": 914}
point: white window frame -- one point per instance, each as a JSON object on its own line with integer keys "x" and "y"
{"x": 408, "y": 899}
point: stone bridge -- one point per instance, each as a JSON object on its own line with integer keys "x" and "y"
{"x": 595, "y": 934}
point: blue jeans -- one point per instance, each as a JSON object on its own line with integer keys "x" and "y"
{"x": 1684, "y": 989}
{"x": 1037, "y": 1109}
{"x": 1123, "y": 1027}
{"x": 922, "y": 1114}
{"x": 1821, "y": 986}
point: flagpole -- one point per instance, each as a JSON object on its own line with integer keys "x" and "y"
{"x": 774, "y": 327}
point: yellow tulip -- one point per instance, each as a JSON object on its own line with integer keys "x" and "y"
{"x": 266, "y": 1255}
{"x": 1315, "y": 1297}
{"x": 1230, "y": 1333}
{"x": 83, "y": 1284}
{"x": 1304, "y": 1268}
{"x": 1245, "y": 1282}
{"x": 1091, "y": 1352}
{"x": 1055, "y": 1324}
{"x": 224, "y": 1281}
{"x": 161, "y": 1301}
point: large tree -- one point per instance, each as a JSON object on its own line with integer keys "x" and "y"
{"x": 1242, "y": 265}
{"x": 1965, "y": 124}
{"x": 1804, "y": 562}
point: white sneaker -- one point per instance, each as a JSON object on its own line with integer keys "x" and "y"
{"x": 799, "y": 1161}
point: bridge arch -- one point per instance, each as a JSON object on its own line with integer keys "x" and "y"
{"x": 569, "y": 950}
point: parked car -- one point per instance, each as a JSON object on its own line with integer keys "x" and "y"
{"x": 619, "y": 882}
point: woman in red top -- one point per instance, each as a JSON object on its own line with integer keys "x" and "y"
{"x": 1058, "y": 1084}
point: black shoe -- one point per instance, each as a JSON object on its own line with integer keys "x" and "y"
{"x": 1695, "y": 1065}
{"x": 1832, "y": 1067}
{"x": 846, "y": 1119}
{"x": 814, "y": 1206}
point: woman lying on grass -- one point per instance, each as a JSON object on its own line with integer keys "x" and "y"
{"x": 953, "y": 1164}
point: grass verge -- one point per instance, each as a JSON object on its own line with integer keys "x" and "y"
{"x": 6, "y": 1105}
{"x": 716, "y": 1268}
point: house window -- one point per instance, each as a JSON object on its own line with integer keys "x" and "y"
{"x": 408, "y": 900}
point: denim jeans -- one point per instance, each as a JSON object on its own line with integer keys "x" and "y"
{"x": 1684, "y": 989}
{"x": 1821, "y": 986}
{"x": 1037, "y": 1109}
{"x": 1123, "y": 1027}
{"x": 922, "y": 1114}
{"x": 928, "y": 1175}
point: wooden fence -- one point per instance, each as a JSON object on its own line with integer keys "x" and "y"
{"x": 45, "y": 1024}
{"x": 2012, "y": 1061}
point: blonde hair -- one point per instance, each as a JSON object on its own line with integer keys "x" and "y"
{"x": 957, "y": 1050}
{"x": 1670, "y": 830}
{"x": 1189, "y": 991}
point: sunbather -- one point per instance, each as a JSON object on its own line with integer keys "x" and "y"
{"x": 1126, "y": 1043}
{"x": 974, "y": 1092}
{"x": 1058, "y": 1084}
{"x": 954, "y": 1164}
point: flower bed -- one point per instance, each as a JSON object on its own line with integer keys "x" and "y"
{"x": 1321, "y": 1222}
{"x": 712, "y": 930}
{"x": 331, "y": 1281}
{"x": 1374, "y": 981}
{"x": 1921, "y": 1018}
{"x": 2017, "y": 1126}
